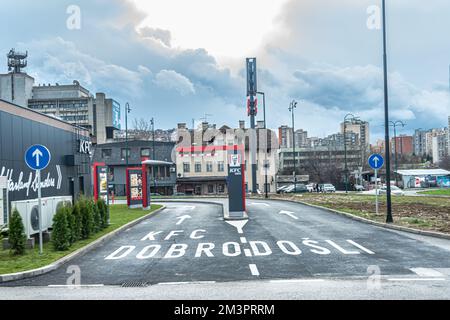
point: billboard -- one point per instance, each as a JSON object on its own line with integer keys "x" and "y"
{"x": 134, "y": 187}
{"x": 116, "y": 115}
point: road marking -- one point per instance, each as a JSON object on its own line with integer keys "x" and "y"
{"x": 243, "y": 240}
{"x": 186, "y": 282}
{"x": 181, "y": 207}
{"x": 182, "y": 218}
{"x": 247, "y": 252}
{"x": 75, "y": 286}
{"x": 288, "y": 213}
{"x": 427, "y": 272}
{"x": 360, "y": 247}
{"x": 254, "y": 270}
{"x": 238, "y": 224}
{"x": 259, "y": 204}
{"x": 297, "y": 280}
{"x": 416, "y": 279}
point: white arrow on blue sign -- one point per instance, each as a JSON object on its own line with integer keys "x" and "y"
{"x": 37, "y": 157}
{"x": 376, "y": 161}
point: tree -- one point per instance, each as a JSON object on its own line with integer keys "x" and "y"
{"x": 16, "y": 234}
{"x": 445, "y": 163}
{"x": 61, "y": 236}
{"x": 101, "y": 205}
{"x": 87, "y": 218}
{"x": 142, "y": 129}
{"x": 78, "y": 223}
{"x": 97, "y": 216}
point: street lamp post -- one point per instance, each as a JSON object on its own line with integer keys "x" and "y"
{"x": 346, "y": 119}
{"x": 389, "y": 218}
{"x": 127, "y": 151}
{"x": 152, "y": 122}
{"x": 395, "y": 124}
{"x": 265, "y": 152}
{"x": 292, "y": 107}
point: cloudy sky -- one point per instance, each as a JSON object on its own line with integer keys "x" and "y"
{"x": 177, "y": 60}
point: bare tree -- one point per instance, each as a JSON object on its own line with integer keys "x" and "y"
{"x": 142, "y": 129}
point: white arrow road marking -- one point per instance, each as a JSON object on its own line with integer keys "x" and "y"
{"x": 181, "y": 219}
{"x": 37, "y": 154}
{"x": 289, "y": 213}
{"x": 239, "y": 225}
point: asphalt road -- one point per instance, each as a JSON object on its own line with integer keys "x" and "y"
{"x": 282, "y": 244}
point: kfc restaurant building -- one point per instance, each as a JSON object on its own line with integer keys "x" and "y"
{"x": 67, "y": 176}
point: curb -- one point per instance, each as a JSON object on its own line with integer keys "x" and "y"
{"x": 375, "y": 223}
{"x": 80, "y": 252}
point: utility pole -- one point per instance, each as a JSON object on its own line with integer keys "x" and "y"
{"x": 292, "y": 107}
{"x": 152, "y": 122}
{"x": 127, "y": 151}
{"x": 389, "y": 218}
{"x": 266, "y": 164}
{"x": 395, "y": 125}
{"x": 346, "y": 119}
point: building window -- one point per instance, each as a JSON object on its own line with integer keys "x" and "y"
{"x": 221, "y": 188}
{"x": 210, "y": 188}
{"x": 145, "y": 152}
{"x": 221, "y": 166}
{"x": 124, "y": 152}
{"x": 209, "y": 166}
{"x": 106, "y": 153}
{"x": 111, "y": 174}
{"x": 186, "y": 167}
{"x": 198, "y": 167}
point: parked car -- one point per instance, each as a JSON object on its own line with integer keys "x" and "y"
{"x": 359, "y": 187}
{"x": 299, "y": 188}
{"x": 328, "y": 188}
{"x": 396, "y": 191}
{"x": 310, "y": 187}
{"x": 282, "y": 189}
{"x": 179, "y": 194}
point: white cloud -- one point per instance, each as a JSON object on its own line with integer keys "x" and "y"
{"x": 169, "y": 79}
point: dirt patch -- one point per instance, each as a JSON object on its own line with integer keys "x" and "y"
{"x": 425, "y": 213}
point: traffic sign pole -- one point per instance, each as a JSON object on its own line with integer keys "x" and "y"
{"x": 38, "y": 173}
{"x": 37, "y": 158}
{"x": 376, "y": 191}
{"x": 376, "y": 162}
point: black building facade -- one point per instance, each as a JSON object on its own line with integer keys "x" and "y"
{"x": 113, "y": 155}
{"x": 69, "y": 172}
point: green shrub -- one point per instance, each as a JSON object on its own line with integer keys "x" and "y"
{"x": 16, "y": 234}
{"x": 103, "y": 209}
{"x": 61, "y": 236}
{"x": 97, "y": 217}
{"x": 87, "y": 218}
{"x": 72, "y": 225}
{"x": 78, "y": 223}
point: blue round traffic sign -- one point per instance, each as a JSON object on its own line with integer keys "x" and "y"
{"x": 376, "y": 161}
{"x": 37, "y": 157}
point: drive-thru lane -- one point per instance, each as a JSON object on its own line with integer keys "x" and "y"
{"x": 190, "y": 242}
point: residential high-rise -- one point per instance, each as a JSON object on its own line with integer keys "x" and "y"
{"x": 285, "y": 137}
{"x": 361, "y": 128}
